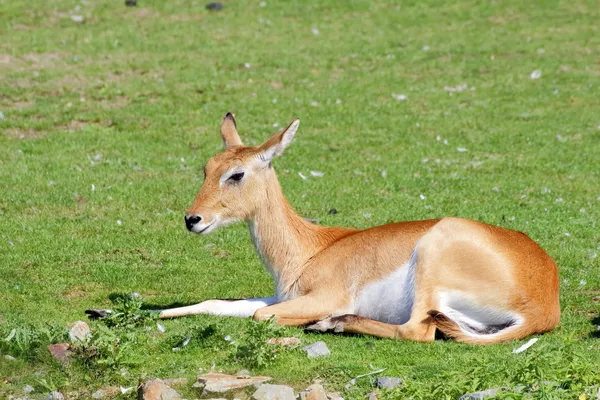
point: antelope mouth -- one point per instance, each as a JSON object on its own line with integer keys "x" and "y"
{"x": 206, "y": 229}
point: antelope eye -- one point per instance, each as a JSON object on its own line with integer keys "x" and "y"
{"x": 236, "y": 177}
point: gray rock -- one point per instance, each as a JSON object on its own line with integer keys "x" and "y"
{"x": 317, "y": 349}
{"x": 388, "y": 382}
{"x": 55, "y": 396}
{"x": 314, "y": 392}
{"x": 157, "y": 390}
{"x": 28, "y": 389}
{"x": 9, "y": 357}
{"x": 334, "y": 396}
{"x": 79, "y": 332}
{"x": 60, "y": 351}
{"x": 484, "y": 394}
{"x": 98, "y": 394}
{"x": 274, "y": 392}
{"x": 214, "y": 382}
{"x": 244, "y": 374}
{"x": 373, "y": 396}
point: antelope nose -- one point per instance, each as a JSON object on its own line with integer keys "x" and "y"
{"x": 191, "y": 220}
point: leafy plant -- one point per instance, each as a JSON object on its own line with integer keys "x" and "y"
{"x": 104, "y": 349}
{"x": 252, "y": 349}
{"x": 127, "y": 312}
{"x": 24, "y": 340}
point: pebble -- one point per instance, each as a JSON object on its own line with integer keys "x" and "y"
{"x": 79, "y": 331}
{"x": 214, "y": 6}
{"x": 55, "y": 396}
{"x": 157, "y": 390}
{"x": 274, "y": 392}
{"x": 388, "y": 382}
{"x": 317, "y": 349}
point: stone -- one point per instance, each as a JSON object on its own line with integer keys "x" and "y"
{"x": 28, "y": 389}
{"x": 388, "y": 382}
{"x": 55, "y": 396}
{"x": 157, "y": 390}
{"x": 130, "y": 3}
{"x": 373, "y": 396}
{"x": 214, "y": 382}
{"x": 284, "y": 341}
{"x": 484, "y": 394}
{"x": 98, "y": 394}
{"x": 79, "y": 332}
{"x": 214, "y": 6}
{"x": 9, "y": 357}
{"x": 244, "y": 373}
{"x": 317, "y": 349}
{"x": 60, "y": 351}
{"x": 334, "y": 396}
{"x": 314, "y": 392}
{"x": 274, "y": 392}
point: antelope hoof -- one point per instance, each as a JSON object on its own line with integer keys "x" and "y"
{"x": 335, "y": 324}
{"x": 97, "y": 313}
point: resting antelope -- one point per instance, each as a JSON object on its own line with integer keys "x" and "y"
{"x": 474, "y": 282}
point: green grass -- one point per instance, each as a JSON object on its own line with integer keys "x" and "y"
{"x": 129, "y": 103}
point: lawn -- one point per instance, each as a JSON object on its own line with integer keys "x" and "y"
{"x": 412, "y": 110}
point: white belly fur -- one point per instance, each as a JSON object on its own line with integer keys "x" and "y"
{"x": 390, "y": 299}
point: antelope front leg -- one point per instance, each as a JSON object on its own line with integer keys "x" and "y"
{"x": 300, "y": 311}
{"x": 225, "y": 308}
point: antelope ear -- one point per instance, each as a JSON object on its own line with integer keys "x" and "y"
{"x": 229, "y": 132}
{"x": 278, "y": 142}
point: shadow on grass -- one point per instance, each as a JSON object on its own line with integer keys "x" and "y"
{"x": 596, "y": 322}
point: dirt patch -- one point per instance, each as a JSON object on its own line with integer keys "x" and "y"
{"x": 20, "y": 105}
{"x": 77, "y": 125}
{"x": 20, "y": 133}
{"x": 186, "y": 17}
{"x": 74, "y": 294}
{"x": 117, "y": 102}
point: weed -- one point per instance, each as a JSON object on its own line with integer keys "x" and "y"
{"x": 252, "y": 349}
{"x": 24, "y": 340}
{"x": 104, "y": 350}
{"x": 127, "y": 312}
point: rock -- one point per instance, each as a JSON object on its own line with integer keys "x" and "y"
{"x": 284, "y": 341}
{"x": 219, "y": 383}
{"x": 55, "y": 396}
{"x": 334, "y": 396}
{"x": 9, "y": 357}
{"x": 60, "y": 351}
{"x": 274, "y": 392}
{"x": 332, "y": 211}
{"x": 317, "y": 349}
{"x": 388, "y": 382}
{"x": 484, "y": 394}
{"x": 98, "y": 394}
{"x": 244, "y": 373}
{"x": 130, "y": 3}
{"x": 314, "y": 392}
{"x": 157, "y": 390}
{"x": 214, "y": 6}
{"x": 372, "y": 396}
{"x": 28, "y": 389}
{"x": 79, "y": 332}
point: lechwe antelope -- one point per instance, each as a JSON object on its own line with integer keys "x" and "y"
{"x": 474, "y": 282}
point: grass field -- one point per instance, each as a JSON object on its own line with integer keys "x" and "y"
{"x": 413, "y": 110}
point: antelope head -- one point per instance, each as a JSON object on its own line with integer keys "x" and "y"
{"x": 236, "y": 181}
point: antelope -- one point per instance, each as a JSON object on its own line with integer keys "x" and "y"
{"x": 474, "y": 282}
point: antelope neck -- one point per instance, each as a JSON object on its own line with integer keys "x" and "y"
{"x": 283, "y": 239}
